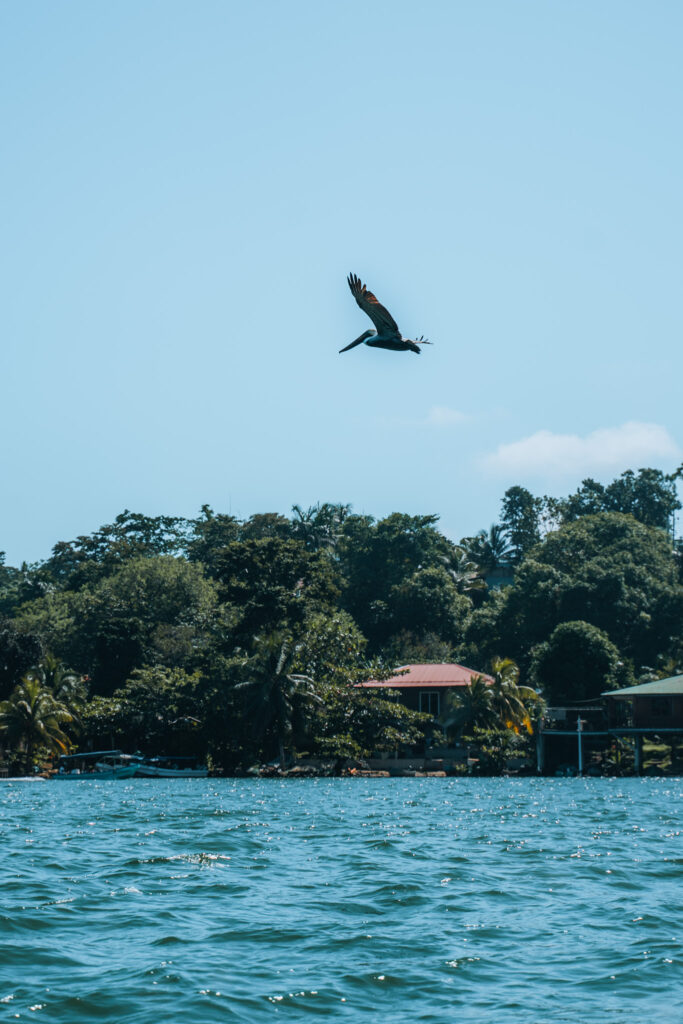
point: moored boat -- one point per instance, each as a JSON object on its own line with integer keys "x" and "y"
{"x": 97, "y": 764}
{"x": 171, "y": 768}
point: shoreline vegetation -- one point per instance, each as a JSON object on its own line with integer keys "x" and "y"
{"x": 244, "y": 642}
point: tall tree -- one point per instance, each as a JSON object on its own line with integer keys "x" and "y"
{"x": 319, "y": 526}
{"x": 20, "y": 650}
{"x": 10, "y": 587}
{"x": 87, "y": 559}
{"x": 31, "y": 717}
{"x": 159, "y": 710}
{"x": 210, "y": 532}
{"x": 489, "y": 551}
{"x": 68, "y": 687}
{"x": 469, "y": 707}
{"x": 357, "y": 722}
{"x": 608, "y": 570}
{"x": 151, "y": 610}
{"x": 428, "y": 602}
{"x": 521, "y": 520}
{"x": 513, "y": 703}
{"x": 265, "y": 525}
{"x": 274, "y": 693}
{"x": 577, "y": 662}
{"x": 376, "y": 558}
{"x": 465, "y": 573}
{"x": 648, "y": 495}
{"x": 274, "y": 583}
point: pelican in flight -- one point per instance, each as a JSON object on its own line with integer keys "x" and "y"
{"x": 387, "y": 334}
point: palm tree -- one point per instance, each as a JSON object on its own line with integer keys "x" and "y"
{"x": 509, "y": 699}
{"x": 319, "y": 527}
{"x": 275, "y": 694}
{"x": 33, "y": 717}
{"x": 463, "y": 571}
{"x": 65, "y": 685}
{"x": 490, "y": 550}
{"x": 469, "y": 708}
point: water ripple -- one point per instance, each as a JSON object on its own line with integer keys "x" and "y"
{"x": 520, "y": 901}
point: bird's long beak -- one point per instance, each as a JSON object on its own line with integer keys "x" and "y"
{"x": 357, "y": 341}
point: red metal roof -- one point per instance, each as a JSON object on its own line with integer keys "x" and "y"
{"x": 428, "y": 675}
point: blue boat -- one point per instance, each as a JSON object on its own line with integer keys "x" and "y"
{"x": 97, "y": 764}
{"x": 171, "y": 768}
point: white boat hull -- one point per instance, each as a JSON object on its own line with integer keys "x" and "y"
{"x": 149, "y": 771}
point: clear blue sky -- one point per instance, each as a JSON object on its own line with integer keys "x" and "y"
{"x": 185, "y": 187}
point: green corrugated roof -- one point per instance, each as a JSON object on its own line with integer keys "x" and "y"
{"x": 658, "y": 688}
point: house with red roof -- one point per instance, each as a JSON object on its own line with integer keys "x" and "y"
{"x": 424, "y": 687}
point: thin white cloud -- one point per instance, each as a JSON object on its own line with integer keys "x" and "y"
{"x": 608, "y": 450}
{"x": 442, "y": 416}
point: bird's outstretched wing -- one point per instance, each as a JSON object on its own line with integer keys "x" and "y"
{"x": 381, "y": 317}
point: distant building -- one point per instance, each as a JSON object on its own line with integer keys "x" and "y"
{"x": 655, "y": 706}
{"x": 424, "y": 687}
{"x": 501, "y": 576}
{"x": 632, "y": 714}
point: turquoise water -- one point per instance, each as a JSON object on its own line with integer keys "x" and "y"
{"x": 437, "y": 900}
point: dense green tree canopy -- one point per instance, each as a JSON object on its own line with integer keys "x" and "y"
{"x": 152, "y": 609}
{"x": 19, "y": 651}
{"x": 427, "y": 601}
{"x": 273, "y": 582}
{"x": 608, "y": 570}
{"x": 380, "y": 562}
{"x": 648, "y": 495}
{"x": 159, "y": 708}
{"x": 10, "y": 583}
{"x": 211, "y": 532}
{"x": 279, "y": 701}
{"x": 155, "y": 628}
{"x": 577, "y": 662}
{"x": 355, "y": 722}
{"x": 88, "y": 559}
{"x": 330, "y": 647}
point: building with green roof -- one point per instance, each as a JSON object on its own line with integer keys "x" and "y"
{"x": 656, "y": 706}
